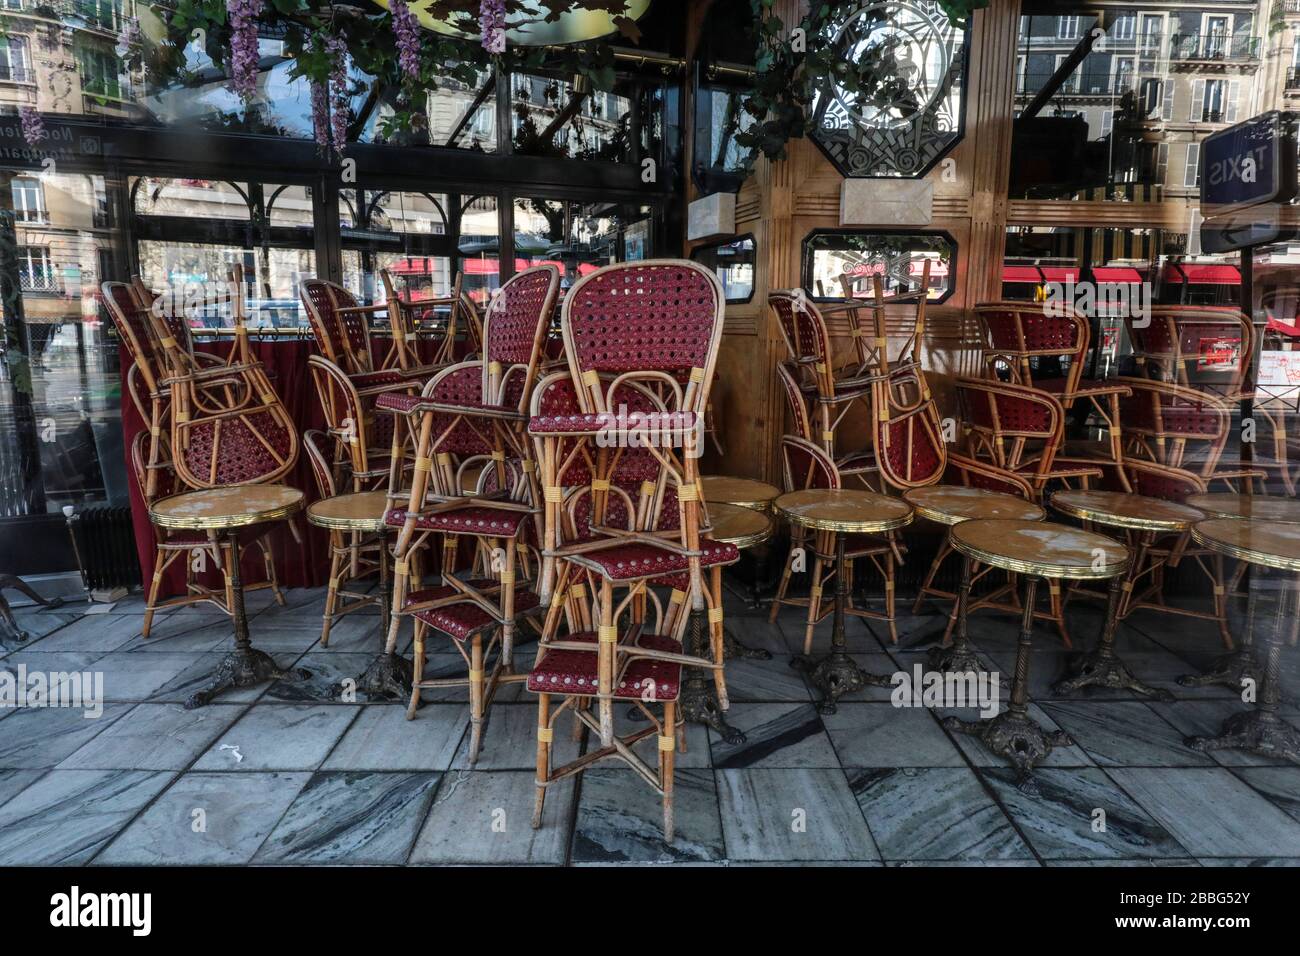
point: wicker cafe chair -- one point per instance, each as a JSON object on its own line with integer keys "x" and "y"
{"x": 1020, "y": 336}
{"x": 363, "y": 440}
{"x": 352, "y": 555}
{"x": 859, "y": 465}
{"x": 1183, "y": 428}
{"x": 651, "y": 328}
{"x": 805, "y": 465}
{"x": 406, "y": 317}
{"x": 341, "y": 328}
{"x": 195, "y": 547}
{"x": 830, "y": 391}
{"x": 473, "y": 415}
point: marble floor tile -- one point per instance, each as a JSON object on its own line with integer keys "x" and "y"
{"x": 882, "y": 735}
{"x": 697, "y": 754}
{"x": 36, "y": 737}
{"x": 279, "y": 737}
{"x": 858, "y": 635}
{"x": 94, "y": 632}
{"x": 620, "y": 819}
{"x": 1061, "y": 820}
{"x": 13, "y": 782}
{"x": 1277, "y": 861}
{"x": 1162, "y": 863}
{"x": 973, "y": 748}
{"x": 1212, "y": 812}
{"x": 934, "y": 813}
{"x": 777, "y": 735}
{"x": 188, "y": 631}
{"x": 137, "y": 677}
{"x": 154, "y": 737}
{"x": 754, "y": 631}
{"x": 1124, "y": 734}
{"x": 885, "y": 665}
{"x": 206, "y": 819}
{"x": 1280, "y": 785}
{"x": 37, "y": 623}
{"x": 356, "y": 817}
{"x": 792, "y": 815}
{"x": 753, "y": 681}
{"x": 486, "y": 818}
{"x": 510, "y": 739}
{"x": 68, "y": 815}
{"x": 381, "y": 738}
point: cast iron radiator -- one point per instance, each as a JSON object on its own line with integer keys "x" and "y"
{"x": 105, "y": 544}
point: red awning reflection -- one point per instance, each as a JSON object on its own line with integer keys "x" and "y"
{"x": 1021, "y": 274}
{"x": 1116, "y": 274}
{"x": 1203, "y": 273}
{"x": 1060, "y": 273}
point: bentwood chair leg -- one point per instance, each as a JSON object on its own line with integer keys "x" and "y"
{"x": 475, "y": 698}
{"x": 159, "y": 566}
{"x": 332, "y": 592}
{"x": 796, "y": 542}
{"x": 716, "y": 636}
{"x": 417, "y": 661}
{"x": 268, "y": 560}
{"x": 508, "y": 607}
{"x": 1058, "y": 610}
{"x": 667, "y": 747}
{"x": 814, "y": 604}
{"x": 543, "y": 755}
{"x": 889, "y": 598}
{"x": 1221, "y": 602}
{"x": 227, "y": 563}
{"x": 944, "y": 550}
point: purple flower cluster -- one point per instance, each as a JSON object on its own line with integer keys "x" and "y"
{"x": 492, "y": 25}
{"x": 33, "y": 126}
{"x": 337, "y": 48}
{"x": 407, "y": 31}
{"x": 243, "y": 46}
{"x": 320, "y": 114}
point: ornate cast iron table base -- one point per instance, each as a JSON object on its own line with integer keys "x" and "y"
{"x": 734, "y": 649}
{"x": 698, "y": 702}
{"x": 389, "y": 677}
{"x": 244, "y": 667}
{"x": 1099, "y": 670}
{"x": 957, "y": 657}
{"x": 1014, "y": 736}
{"x": 1230, "y": 670}
{"x": 1257, "y": 731}
{"x": 835, "y": 675}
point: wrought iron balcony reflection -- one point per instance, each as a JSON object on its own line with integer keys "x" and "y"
{"x": 39, "y": 280}
{"x": 1213, "y": 47}
{"x": 1293, "y": 75}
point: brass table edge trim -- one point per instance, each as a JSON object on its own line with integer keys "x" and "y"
{"x": 1054, "y": 572}
{"x": 227, "y": 523}
{"x": 1243, "y": 554}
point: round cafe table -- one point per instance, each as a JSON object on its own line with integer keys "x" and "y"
{"x": 745, "y": 528}
{"x": 389, "y": 675}
{"x": 757, "y": 496}
{"x": 950, "y": 505}
{"x": 1034, "y": 550}
{"x": 1270, "y": 547}
{"x": 1270, "y": 508}
{"x": 1146, "y": 517}
{"x": 845, "y": 511}
{"x": 228, "y": 510}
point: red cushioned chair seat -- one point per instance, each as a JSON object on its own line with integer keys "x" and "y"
{"x": 387, "y": 377}
{"x": 590, "y": 422}
{"x": 460, "y": 621}
{"x": 1086, "y": 386}
{"x": 573, "y": 673}
{"x": 474, "y": 519}
{"x": 397, "y": 402}
{"x": 637, "y": 559}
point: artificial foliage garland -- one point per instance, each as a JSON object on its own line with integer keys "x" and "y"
{"x": 790, "y": 63}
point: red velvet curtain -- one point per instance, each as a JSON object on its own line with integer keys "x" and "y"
{"x": 304, "y": 564}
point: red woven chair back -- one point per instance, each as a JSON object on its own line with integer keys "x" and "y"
{"x": 164, "y": 478}
{"x": 1008, "y": 424}
{"x": 1194, "y": 346}
{"x": 794, "y": 401}
{"x": 803, "y": 329}
{"x": 1157, "y": 481}
{"x": 313, "y": 443}
{"x": 342, "y": 336}
{"x": 1017, "y": 333}
{"x": 514, "y": 331}
{"x": 657, "y": 321}
{"x": 1174, "y": 425}
{"x": 131, "y": 318}
{"x": 908, "y": 433}
{"x": 805, "y": 465}
{"x": 980, "y": 474}
{"x": 356, "y": 430}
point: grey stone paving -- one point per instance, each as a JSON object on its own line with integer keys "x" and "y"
{"x": 291, "y": 773}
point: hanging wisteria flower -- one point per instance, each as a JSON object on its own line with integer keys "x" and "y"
{"x": 337, "y": 49}
{"x": 243, "y": 46}
{"x": 33, "y": 126}
{"x": 320, "y": 114}
{"x": 492, "y": 25}
{"x": 407, "y": 31}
